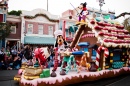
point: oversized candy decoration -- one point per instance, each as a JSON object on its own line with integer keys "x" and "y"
{"x": 106, "y": 53}
{"x": 42, "y": 54}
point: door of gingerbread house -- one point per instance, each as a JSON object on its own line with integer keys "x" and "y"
{"x": 117, "y": 58}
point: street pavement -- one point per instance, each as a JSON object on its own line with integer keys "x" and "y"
{"x": 6, "y": 79}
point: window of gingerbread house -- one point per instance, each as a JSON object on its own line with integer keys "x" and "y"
{"x": 93, "y": 54}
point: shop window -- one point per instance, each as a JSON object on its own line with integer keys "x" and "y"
{"x": 30, "y": 29}
{"x": 40, "y": 29}
{"x": 50, "y": 30}
{"x": 98, "y": 14}
{"x": 13, "y": 29}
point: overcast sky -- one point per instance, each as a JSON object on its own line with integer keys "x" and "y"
{"x": 56, "y": 7}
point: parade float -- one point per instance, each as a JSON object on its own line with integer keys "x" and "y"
{"x": 100, "y": 49}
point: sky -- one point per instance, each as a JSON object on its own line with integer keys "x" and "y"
{"x": 56, "y": 7}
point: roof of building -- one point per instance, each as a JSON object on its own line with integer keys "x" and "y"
{"x": 37, "y": 12}
{"x": 108, "y": 32}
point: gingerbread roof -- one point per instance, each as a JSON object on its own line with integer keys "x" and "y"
{"x": 108, "y": 32}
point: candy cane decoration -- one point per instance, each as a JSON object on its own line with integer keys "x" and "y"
{"x": 55, "y": 60}
{"x": 71, "y": 59}
{"x": 106, "y": 53}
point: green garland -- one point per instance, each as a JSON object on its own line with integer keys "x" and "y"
{"x": 44, "y": 15}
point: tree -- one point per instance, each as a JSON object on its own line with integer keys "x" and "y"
{"x": 5, "y": 30}
{"x": 14, "y": 12}
{"x": 126, "y": 24}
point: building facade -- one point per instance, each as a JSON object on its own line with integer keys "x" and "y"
{"x": 15, "y": 35}
{"x": 70, "y": 17}
{"x": 3, "y": 13}
{"x": 38, "y": 26}
{"x": 66, "y": 24}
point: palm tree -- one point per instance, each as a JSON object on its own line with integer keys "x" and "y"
{"x": 126, "y": 24}
{"x": 5, "y": 30}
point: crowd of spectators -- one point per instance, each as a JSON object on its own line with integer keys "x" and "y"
{"x": 12, "y": 58}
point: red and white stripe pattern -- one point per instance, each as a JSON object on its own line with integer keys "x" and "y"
{"x": 74, "y": 49}
{"x": 106, "y": 53}
{"x": 88, "y": 35}
{"x": 56, "y": 61}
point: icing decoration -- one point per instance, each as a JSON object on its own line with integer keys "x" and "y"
{"x": 101, "y": 23}
{"x": 92, "y": 22}
{"x": 98, "y": 27}
{"x": 88, "y": 35}
{"x": 59, "y": 78}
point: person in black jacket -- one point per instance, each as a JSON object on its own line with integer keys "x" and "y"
{"x": 27, "y": 53}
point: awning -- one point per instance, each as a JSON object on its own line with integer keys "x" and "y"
{"x": 73, "y": 28}
{"x": 39, "y": 40}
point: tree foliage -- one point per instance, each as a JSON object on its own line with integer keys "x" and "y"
{"x": 5, "y": 30}
{"x": 126, "y": 24}
{"x": 14, "y": 12}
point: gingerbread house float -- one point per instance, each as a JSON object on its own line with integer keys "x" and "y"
{"x": 103, "y": 45}
{"x": 109, "y": 42}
